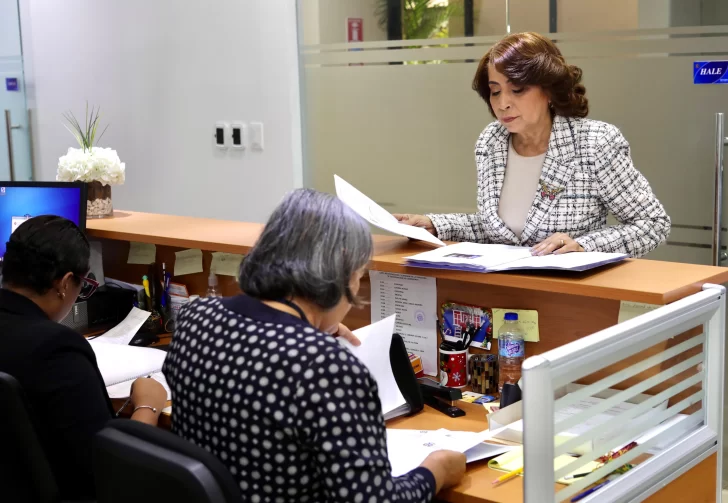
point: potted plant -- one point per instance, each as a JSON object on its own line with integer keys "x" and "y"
{"x": 99, "y": 167}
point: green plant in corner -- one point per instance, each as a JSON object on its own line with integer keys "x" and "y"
{"x": 421, "y": 19}
{"x": 85, "y": 135}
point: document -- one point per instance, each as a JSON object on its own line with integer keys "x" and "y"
{"x": 374, "y": 353}
{"x": 629, "y": 310}
{"x": 378, "y": 216}
{"x": 125, "y": 331}
{"x": 528, "y": 319}
{"x": 414, "y": 300}
{"x": 119, "y": 364}
{"x": 226, "y": 264}
{"x": 493, "y": 258}
{"x": 123, "y": 390}
{"x": 407, "y": 449}
{"x": 142, "y": 253}
{"x": 187, "y": 262}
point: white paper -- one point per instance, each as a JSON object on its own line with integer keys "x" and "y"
{"x": 378, "y": 216}
{"x": 119, "y": 364}
{"x": 629, "y": 310}
{"x": 123, "y": 389}
{"x": 414, "y": 300}
{"x": 374, "y": 353}
{"x": 125, "y": 331}
{"x": 407, "y": 449}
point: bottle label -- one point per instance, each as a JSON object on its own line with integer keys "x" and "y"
{"x": 511, "y": 349}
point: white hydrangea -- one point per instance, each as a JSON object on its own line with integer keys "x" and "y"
{"x": 94, "y": 165}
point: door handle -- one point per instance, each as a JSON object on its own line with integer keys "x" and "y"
{"x": 720, "y": 142}
{"x": 9, "y": 133}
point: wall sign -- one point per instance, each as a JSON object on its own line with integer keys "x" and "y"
{"x": 11, "y": 84}
{"x": 710, "y": 72}
{"x": 354, "y": 29}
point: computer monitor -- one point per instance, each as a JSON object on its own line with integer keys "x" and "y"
{"x": 20, "y": 201}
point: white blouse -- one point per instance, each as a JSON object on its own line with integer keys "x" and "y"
{"x": 519, "y": 188}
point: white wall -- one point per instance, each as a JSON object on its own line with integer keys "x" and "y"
{"x": 163, "y": 73}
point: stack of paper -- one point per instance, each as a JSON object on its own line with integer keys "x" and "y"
{"x": 407, "y": 449}
{"x": 378, "y": 216}
{"x": 493, "y": 258}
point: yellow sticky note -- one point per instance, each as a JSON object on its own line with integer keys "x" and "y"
{"x": 513, "y": 460}
{"x": 187, "y": 262}
{"x": 629, "y": 310}
{"x": 527, "y": 319}
{"x": 226, "y": 264}
{"x": 142, "y": 253}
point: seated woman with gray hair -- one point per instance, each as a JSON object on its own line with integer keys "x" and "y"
{"x": 259, "y": 381}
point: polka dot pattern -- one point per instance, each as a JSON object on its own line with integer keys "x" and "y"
{"x": 292, "y": 414}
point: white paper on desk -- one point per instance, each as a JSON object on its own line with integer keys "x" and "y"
{"x": 408, "y": 448}
{"x": 119, "y": 364}
{"x": 374, "y": 353}
{"x": 378, "y": 216}
{"x": 414, "y": 300}
{"x": 125, "y": 331}
{"x": 123, "y": 389}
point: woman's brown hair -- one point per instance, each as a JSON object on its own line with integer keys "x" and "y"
{"x": 530, "y": 59}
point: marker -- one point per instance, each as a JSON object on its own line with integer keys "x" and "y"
{"x": 508, "y": 476}
{"x": 145, "y": 282}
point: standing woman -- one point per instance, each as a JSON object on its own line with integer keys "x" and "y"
{"x": 547, "y": 176}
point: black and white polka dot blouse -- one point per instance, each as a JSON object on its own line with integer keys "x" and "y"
{"x": 293, "y": 415}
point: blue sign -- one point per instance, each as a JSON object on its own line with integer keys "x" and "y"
{"x": 11, "y": 84}
{"x": 710, "y": 72}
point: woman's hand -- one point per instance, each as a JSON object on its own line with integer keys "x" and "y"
{"x": 557, "y": 244}
{"x": 147, "y": 391}
{"x": 416, "y": 221}
{"x": 346, "y": 334}
{"x": 448, "y": 467}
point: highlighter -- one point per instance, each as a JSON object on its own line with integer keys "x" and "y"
{"x": 145, "y": 282}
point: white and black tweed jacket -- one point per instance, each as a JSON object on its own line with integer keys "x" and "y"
{"x": 587, "y": 173}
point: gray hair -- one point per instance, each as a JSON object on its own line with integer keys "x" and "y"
{"x": 310, "y": 248}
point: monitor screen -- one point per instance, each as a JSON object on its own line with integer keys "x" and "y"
{"x": 20, "y": 201}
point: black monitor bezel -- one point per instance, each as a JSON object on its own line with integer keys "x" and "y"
{"x": 68, "y": 185}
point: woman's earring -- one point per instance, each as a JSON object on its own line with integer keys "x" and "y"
{"x": 62, "y": 295}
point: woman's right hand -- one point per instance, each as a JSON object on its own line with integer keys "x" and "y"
{"x": 417, "y": 221}
{"x": 448, "y": 467}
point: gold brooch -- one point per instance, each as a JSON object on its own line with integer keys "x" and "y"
{"x": 549, "y": 192}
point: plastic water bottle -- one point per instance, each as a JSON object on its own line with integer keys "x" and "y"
{"x": 511, "y": 350}
{"x": 212, "y": 286}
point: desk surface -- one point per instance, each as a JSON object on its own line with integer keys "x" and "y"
{"x": 647, "y": 281}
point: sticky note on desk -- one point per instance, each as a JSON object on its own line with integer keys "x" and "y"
{"x": 226, "y": 264}
{"x": 142, "y": 253}
{"x": 528, "y": 320}
{"x": 629, "y": 310}
{"x": 187, "y": 262}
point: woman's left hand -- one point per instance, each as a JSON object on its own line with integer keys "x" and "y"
{"x": 557, "y": 244}
{"x": 346, "y": 334}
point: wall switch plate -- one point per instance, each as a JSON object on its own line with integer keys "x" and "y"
{"x": 221, "y": 134}
{"x": 256, "y": 135}
{"x": 238, "y": 135}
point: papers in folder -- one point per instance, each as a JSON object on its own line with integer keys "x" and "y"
{"x": 493, "y": 258}
{"x": 378, "y": 216}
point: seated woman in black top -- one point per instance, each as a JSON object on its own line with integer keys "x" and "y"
{"x": 258, "y": 380}
{"x": 44, "y": 272}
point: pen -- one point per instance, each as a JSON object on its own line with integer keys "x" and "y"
{"x": 586, "y": 493}
{"x": 508, "y": 476}
{"x": 576, "y": 476}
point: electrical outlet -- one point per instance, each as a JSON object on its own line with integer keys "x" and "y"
{"x": 238, "y": 135}
{"x": 221, "y": 134}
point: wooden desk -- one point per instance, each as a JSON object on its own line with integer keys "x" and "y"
{"x": 570, "y": 305}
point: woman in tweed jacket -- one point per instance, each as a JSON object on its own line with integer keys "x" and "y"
{"x": 547, "y": 176}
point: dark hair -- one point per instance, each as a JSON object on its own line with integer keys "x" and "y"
{"x": 310, "y": 248}
{"x": 530, "y": 59}
{"x": 42, "y": 250}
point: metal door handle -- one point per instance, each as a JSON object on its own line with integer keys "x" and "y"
{"x": 720, "y": 142}
{"x": 9, "y": 133}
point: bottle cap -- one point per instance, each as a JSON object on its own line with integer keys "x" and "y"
{"x": 511, "y": 317}
{"x": 212, "y": 280}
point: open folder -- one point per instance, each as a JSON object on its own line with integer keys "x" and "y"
{"x": 493, "y": 258}
{"x": 378, "y": 216}
{"x": 121, "y": 365}
{"x": 384, "y": 354}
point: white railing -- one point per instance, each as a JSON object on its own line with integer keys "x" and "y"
{"x": 699, "y": 365}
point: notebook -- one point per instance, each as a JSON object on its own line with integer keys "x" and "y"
{"x": 486, "y": 258}
{"x": 513, "y": 460}
{"x": 120, "y": 365}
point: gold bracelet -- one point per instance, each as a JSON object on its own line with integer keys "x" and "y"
{"x": 154, "y": 409}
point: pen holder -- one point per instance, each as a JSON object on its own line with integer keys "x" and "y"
{"x": 484, "y": 373}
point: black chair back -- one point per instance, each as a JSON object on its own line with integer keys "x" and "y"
{"x": 25, "y": 474}
{"x": 141, "y": 463}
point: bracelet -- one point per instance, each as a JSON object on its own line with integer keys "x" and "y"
{"x": 154, "y": 409}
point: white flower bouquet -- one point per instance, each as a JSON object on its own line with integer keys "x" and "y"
{"x": 99, "y": 167}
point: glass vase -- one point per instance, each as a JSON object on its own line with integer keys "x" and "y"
{"x": 99, "y": 200}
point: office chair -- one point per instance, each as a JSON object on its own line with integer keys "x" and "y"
{"x": 144, "y": 464}
{"x": 25, "y": 474}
